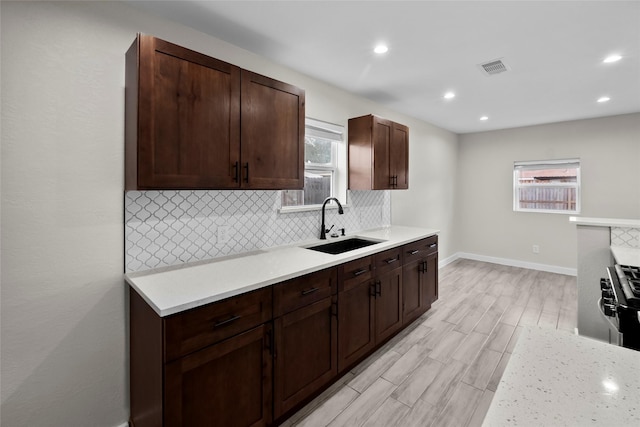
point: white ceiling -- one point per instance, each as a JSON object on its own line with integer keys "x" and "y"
{"x": 554, "y": 51}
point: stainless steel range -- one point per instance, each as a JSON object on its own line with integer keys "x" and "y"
{"x": 620, "y": 303}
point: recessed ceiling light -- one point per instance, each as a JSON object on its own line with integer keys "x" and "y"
{"x": 612, "y": 58}
{"x": 483, "y": 118}
{"x": 603, "y": 99}
{"x": 449, "y": 95}
{"x": 381, "y": 48}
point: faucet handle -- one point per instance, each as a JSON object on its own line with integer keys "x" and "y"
{"x": 329, "y": 229}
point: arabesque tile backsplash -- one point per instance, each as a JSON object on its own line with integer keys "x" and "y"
{"x": 164, "y": 228}
{"x": 625, "y": 237}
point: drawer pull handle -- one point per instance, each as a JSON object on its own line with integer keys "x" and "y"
{"x": 359, "y": 272}
{"x": 413, "y": 252}
{"x": 226, "y": 322}
{"x": 310, "y": 291}
{"x": 433, "y": 245}
{"x": 390, "y": 260}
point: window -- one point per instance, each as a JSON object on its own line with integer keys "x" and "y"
{"x": 324, "y": 166}
{"x": 547, "y": 186}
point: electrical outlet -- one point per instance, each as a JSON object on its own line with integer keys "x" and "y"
{"x": 223, "y": 234}
{"x": 536, "y": 249}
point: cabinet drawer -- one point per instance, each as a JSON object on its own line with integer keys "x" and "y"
{"x": 420, "y": 249}
{"x": 303, "y": 291}
{"x": 195, "y": 329}
{"x": 388, "y": 260}
{"x": 354, "y": 272}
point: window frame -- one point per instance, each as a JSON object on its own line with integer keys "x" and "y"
{"x": 542, "y": 165}
{"x": 338, "y": 168}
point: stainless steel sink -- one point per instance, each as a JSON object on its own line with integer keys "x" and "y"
{"x": 342, "y": 246}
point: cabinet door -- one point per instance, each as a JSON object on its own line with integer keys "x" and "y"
{"x": 188, "y": 119}
{"x": 356, "y": 336}
{"x": 272, "y": 133}
{"x": 382, "y": 130}
{"x": 431, "y": 280}
{"x": 388, "y": 304}
{"x": 306, "y": 356}
{"x": 399, "y": 168}
{"x": 412, "y": 291}
{"x": 226, "y": 384}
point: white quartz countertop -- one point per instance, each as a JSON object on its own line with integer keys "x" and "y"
{"x": 626, "y": 256}
{"x": 170, "y": 290}
{"x": 605, "y": 222}
{"x": 555, "y": 378}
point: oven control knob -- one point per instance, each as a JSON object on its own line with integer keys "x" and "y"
{"x": 609, "y": 310}
{"x": 607, "y": 293}
{"x": 605, "y": 284}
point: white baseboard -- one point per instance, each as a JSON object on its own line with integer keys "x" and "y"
{"x": 510, "y": 262}
{"x": 449, "y": 260}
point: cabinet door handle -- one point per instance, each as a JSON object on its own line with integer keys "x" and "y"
{"x": 423, "y": 267}
{"x": 310, "y": 291}
{"x": 390, "y": 260}
{"x": 372, "y": 289}
{"x": 236, "y": 172}
{"x": 226, "y": 322}
{"x": 379, "y": 288}
{"x": 246, "y": 172}
{"x": 413, "y": 252}
{"x": 334, "y": 309}
{"x": 359, "y": 272}
{"x": 269, "y": 342}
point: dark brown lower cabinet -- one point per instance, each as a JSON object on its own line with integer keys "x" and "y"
{"x": 431, "y": 278}
{"x": 208, "y": 366}
{"x": 419, "y": 278}
{"x": 356, "y": 314}
{"x": 388, "y": 318}
{"x": 356, "y": 311}
{"x": 413, "y": 294}
{"x": 306, "y": 353}
{"x": 226, "y": 384}
{"x": 369, "y": 310}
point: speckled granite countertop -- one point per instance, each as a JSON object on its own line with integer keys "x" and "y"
{"x": 558, "y": 379}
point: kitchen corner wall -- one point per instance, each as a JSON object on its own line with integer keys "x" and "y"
{"x": 609, "y": 151}
{"x": 165, "y": 228}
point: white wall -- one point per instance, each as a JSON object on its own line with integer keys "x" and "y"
{"x": 609, "y": 149}
{"x": 63, "y": 307}
{"x": 429, "y": 201}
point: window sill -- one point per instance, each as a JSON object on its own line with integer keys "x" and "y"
{"x": 547, "y": 211}
{"x": 308, "y": 208}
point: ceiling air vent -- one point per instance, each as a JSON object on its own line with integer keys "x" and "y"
{"x": 494, "y": 67}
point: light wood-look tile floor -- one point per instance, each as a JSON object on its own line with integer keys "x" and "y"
{"x": 443, "y": 369}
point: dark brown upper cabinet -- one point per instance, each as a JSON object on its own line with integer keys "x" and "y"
{"x": 195, "y": 122}
{"x": 378, "y": 154}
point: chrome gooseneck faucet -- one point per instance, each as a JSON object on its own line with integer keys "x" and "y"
{"x": 323, "y": 230}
